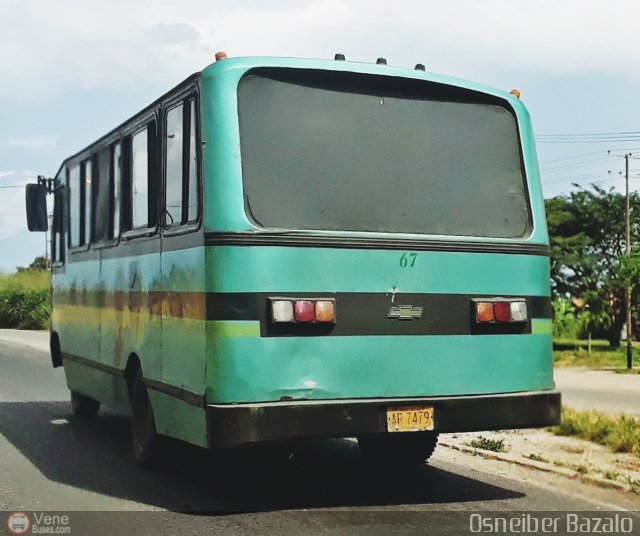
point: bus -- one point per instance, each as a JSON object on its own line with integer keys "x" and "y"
{"x": 281, "y": 249}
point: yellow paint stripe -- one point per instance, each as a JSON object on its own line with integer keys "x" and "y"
{"x": 541, "y": 326}
{"x": 232, "y": 329}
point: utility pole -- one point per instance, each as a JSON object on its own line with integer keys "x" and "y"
{"x": 627, "y": 232}
{"x": 627, "y": 252}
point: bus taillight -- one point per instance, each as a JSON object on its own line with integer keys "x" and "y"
{"x": 500, "y": 310}
{"x": 288, "y": 310}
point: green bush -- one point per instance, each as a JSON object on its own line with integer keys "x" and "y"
{"x": 24, "y": 300}
{"x": 619, "y": 433}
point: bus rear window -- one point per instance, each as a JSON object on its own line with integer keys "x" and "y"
{"x": 347, "y": 157}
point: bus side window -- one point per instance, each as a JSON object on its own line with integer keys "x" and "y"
{"x": 87, "y": 201}
{"x": 143, "y": 198}
{"x": 181, "y": 179}
{"x": 73, "y": 187}
{"x": 192, "y": 164}
{"x": 103, "y": 201}
{"x": 116, "y": 177}
{"x": 57, "y": 245}
{"x": 174, "y": 166}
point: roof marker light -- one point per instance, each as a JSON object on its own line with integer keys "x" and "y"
{"x": 381, "y": 61}
{"x": 419, "y": 67}
{"x": 220, "y": 55}
{"x": 339, "y": 57}
{"x": 515, "y": 93}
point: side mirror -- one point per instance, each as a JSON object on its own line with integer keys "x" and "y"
{"x": 36, "y": 198}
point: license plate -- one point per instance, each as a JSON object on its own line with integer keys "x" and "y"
{"x": 410, "y": 419}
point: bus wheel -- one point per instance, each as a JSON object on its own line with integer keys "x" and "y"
{"x": 146, "y": 442}
{"x": 83, "y": 406}
{"x": 398, "y": 450}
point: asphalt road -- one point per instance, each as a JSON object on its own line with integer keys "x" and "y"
{"x": 600, "y": 390}
{"x": 50, "y": 460}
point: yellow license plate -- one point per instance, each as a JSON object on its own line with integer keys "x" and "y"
{"x": 412, "y": 419}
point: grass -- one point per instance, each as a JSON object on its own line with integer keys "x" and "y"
{"x": 620, "y": 434}
{"x": 537, "y": 458}
{"x": 574, "y": 353}
{"x": 485, "y": 443}
{"x": 24, "y": 300}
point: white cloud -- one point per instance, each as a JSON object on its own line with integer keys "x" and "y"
{"x": 32, "y": 143}
{"x": 13, "y": 219}
{"x": 5, "y": 174}
{"x": 121, "y": 44}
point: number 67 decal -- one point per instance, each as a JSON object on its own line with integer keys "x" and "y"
{"x": 408, "y": 260}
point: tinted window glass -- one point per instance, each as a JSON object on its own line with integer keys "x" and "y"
{"x": 339, "y": 158}
{"x": 74, "y": 205}
{"x": 58, "y": 245}
{"x": 87, "y": 208}
{"x": 174, "y": 146}
{"x": 140, "y": 179}
{"x": 103, "y": 202}
{"x": 192, "y": 208}
{"x": 116, "y": 163}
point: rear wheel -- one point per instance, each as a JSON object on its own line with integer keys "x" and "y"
{"x": 145, "y": 439}
{"x": 84, "y": 406}
{"x": 398, "y": 450}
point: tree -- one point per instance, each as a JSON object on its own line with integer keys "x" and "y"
{"x": 39, "y": 264}
{"x": 586, "y": 230}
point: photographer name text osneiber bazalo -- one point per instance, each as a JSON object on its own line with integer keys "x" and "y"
{"x": 565, "y": 523}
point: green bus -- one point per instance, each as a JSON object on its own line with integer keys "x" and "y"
{"x": 288, "y": 248}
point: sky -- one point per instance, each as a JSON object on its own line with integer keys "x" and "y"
{"x": 72, "y": 70}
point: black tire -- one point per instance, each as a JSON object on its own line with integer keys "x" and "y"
{"x": 145, "y": 439}
{"x": 405, "y": 449}
{"x": 84, "y": 406}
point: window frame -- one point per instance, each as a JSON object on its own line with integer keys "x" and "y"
{"x": 79, "y": 163}
{"x": 59, "y": 254}
{"x": 150, "y": 122}
{"x": 184, "y": 98}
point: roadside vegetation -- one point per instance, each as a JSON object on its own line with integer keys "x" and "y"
{"x": 24, "y": 297}
{"x": 486, "y": 443}
{"x": 620, "y": 434}
{"x": 596, "y": 354}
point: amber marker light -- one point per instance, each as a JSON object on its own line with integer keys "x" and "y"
{"x": 220, "y": 55}
{"x": 484, "y": 311}
{"x": 325, "y": 311}
{"x": 515, "y": 93}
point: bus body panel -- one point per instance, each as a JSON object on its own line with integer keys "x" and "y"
{"x": 246, "y": 366}
{"x": 169, "y": 300}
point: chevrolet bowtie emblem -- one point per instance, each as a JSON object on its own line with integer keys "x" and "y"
{"x": 405, "y": 312}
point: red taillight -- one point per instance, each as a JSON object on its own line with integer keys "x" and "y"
{"x": 303, "y": 311}
{"x": 492, "y": 310}
{"x": 502, "y": 311}
{"x": 291, "y": 310}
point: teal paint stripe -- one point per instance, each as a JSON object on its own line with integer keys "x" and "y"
{"x": 275, "y": 269}
{"x": 250, "y": 369}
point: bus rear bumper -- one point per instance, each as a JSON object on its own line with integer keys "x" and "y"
{"x": 241, "y": 424}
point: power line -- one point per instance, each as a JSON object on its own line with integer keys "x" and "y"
{"x": 592, "y": 134}
{"x": 570, "y": 165}
{"x": 606, "y": 140}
